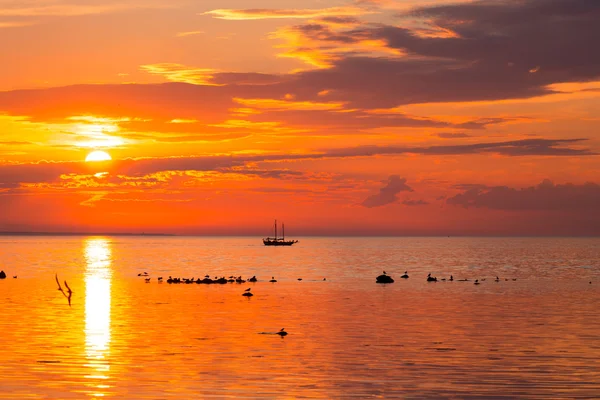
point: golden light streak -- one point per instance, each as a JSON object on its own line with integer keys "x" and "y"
{"x": 98, "y": 275}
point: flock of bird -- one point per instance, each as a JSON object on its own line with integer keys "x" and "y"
{"x": 217, "y": 280}
{"x": 385, "y": 278}
{"x": 206, "y": 280}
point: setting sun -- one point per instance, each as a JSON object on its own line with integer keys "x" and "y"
{"x": 98, "y": 155}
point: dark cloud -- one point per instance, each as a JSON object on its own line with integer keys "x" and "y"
{"x": 419, "y": 202}
{"x": 545, "y": 196}
{"x": 387, "y": 194}
{"x": 498, "y": 50}
{"x": 526, "y": 147}
{"x": 340, "y": 20}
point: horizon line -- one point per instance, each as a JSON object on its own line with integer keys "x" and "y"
{"x": 162, "y": 234}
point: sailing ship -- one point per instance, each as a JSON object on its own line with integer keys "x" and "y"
{"x": 278, "y": 241}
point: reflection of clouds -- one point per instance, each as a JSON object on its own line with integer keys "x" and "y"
{"x": 97, "y": 308}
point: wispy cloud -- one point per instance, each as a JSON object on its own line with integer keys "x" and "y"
{"x": 181, "y": 73}
{"x": 63, "y": 8}
{"x": 265, "y": 13}
{"x": 274, "y": 104}
{"x": 190, "y": 33}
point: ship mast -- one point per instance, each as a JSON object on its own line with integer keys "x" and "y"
{"x": 275, "y": 229}
{"x": 283, "y": 233}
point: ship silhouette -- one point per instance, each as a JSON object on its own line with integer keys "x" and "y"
{"x": 278, "y": 241}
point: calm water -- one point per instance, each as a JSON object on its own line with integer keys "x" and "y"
{"x": 536, "y": 337}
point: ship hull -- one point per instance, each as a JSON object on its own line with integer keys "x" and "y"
{"x": 279, "y": 243}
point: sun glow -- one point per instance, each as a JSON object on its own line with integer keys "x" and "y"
{"x": 98, "y": 155}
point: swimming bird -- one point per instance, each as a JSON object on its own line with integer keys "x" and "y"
{"x": 282, "y": 332}
{"x": 273, "y": 279}
{"x": 431, "y": 278}
{"x": 160, "y": 278}
{"x": 476, "y": 282}
{"x": 497, "y": 279}
{"x": 69, "y": 291}
{"x": 451, "y": 278}
{"x": 14, "y": 277}
{"x": 299, "y": 279}
{"x": 147, "y": 280}
{"x": 405, "y": 276}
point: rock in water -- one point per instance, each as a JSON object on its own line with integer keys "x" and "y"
{"x": 384, "y": 279}
{"x": 2, "y": 275}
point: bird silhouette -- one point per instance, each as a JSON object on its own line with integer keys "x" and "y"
{"x": 69, "y": 291}
{"x": 282, "y": 332}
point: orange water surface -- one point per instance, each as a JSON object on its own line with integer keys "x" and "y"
{"x": 534, "y": 337}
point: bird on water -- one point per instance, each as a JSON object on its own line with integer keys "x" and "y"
{"x": 282, "y": 332}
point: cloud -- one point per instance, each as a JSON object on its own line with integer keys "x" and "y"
{"x": 415, "y": 202}
{"x": 486, "y": 53}
{"x": 545, "y": 196}
{"x": 253, "y": 98}
{"x": 189, "y": 33}
{"x": 387, "y": 194}
{"x": 525, "y": 147}
{"x": 181, "y": 73}
{"x": 44, "y": 171}
{"x": 451, "y": 135}
{"x": 264, "y": 13}
{"x": 37, "y": 11}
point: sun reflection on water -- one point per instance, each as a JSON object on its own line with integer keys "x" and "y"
{"x": 97, "y": 311}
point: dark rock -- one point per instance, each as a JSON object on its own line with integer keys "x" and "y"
{"x": 2, "y": 275}
{"x": 384, "y": 279}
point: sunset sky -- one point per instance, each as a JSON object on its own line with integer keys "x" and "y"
{"x": 364, "y": 117}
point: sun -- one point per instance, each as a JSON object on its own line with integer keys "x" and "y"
{"x": 98, "y": 155}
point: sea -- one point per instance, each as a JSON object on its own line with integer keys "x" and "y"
{"x": 530, "y": 329}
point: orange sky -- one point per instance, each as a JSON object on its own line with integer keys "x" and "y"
{"x": 337, "y": 117}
